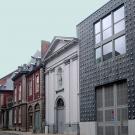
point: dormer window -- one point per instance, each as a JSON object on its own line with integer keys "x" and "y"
{"x": 59, "y": 78}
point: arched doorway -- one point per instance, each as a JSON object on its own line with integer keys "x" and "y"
{"x": 60, "y": 116}
{"x": 37, "y": 123}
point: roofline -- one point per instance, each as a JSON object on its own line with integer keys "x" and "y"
{"x": 53, "y": 40}
{"x": 93, "y": 13}
{"x": 8, "y": 74}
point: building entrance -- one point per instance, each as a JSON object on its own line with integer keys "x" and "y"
{"x": 60, "y": 116}
{"x": 112, "y": 109}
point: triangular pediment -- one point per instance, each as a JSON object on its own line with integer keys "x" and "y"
{"x": 57, "y": 44}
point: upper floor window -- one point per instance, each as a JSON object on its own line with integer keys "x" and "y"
{"x": 37, "y": 83}
{"x": 59, "y": 78}
{"x": 30, "y": 87}
{"x": 20, "y": 91}
{"x": 110, "y": 35}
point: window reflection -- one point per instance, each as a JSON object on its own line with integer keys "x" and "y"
{"x": 119, "y": 14}
{"x": 120, "y": 46}
{"x": 97, "y": 28}
{"x": 107, "y": 22}
{"x": 107, "y": 33}
{"x": 98, "y": 55}
{"x": 98, "y": 38}
{"x": 119, "y": 26}
{"x": 107, "y": 51}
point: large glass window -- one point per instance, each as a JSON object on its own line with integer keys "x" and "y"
{"x": 97, "y": 28}
{"x": 97, "y": 32}
{"x": 120, "y": 46}
{"x": 107, "y": 33}
{"x": 119, "y": 22}
{"x": 119, "y": 26}
{"x": 107, "y": 27}
{"x": 107, "y": 51}
{"x": 98, "y": 55}
{"x": 119, "y": 14}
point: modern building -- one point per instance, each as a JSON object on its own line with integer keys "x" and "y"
{"x": 6, "y": 101}
{"x": 62, "y": 86}
{"x": 107, "y": 70}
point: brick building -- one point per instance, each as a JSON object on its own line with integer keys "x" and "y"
{"x": 20, "y": 102}
{"x": 29, "y": 94}
{"x": 36, "y": 93}
{"x": 107, "y": 74}
{"x": 6, "y": 101}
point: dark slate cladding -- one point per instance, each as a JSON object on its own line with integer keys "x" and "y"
{"x": 115, "y": 69}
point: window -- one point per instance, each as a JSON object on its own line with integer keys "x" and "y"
{"x": 15, "y": 94}
{"x": 119, "y": 22}
{"x": 59, "y": 78}
{"x": 120, "y": 46}
{"x": 107, "y": 51}
{"x": 19, "y": 113}
{"x": 107, "y": 27}
{"x": 30, "y": 87}
{"x": 107, "y": 33}
{"x": 97, "y": 32}
{"x": 20, "y": 91}
{"x": 37, "y": 83}
{"x": 98, "y": 54}
{"x": 15, "y": 116}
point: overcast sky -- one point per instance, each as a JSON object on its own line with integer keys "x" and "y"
{"x": 24, "y": 23}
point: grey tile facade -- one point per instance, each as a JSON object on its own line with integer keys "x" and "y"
{"x": 117, "y": 68}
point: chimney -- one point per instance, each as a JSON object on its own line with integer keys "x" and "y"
{"x": 44, "y": 47}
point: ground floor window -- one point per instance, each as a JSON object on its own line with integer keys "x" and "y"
{"x": 112, "y": 109}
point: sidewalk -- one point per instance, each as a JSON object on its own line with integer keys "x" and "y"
{"x": 22, "y": 133}
{"x": 18, "y": 133}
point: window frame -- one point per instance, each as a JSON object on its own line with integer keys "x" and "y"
{"x": 59, "y": 74}
{"x": 111, "y": 38}
{"x": 30, "y": 87}
{"x": 20, "y": 92}
{"x": 37, "y": 83}
{"x": 19, "y": 115}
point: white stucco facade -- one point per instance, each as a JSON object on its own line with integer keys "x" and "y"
{"x": 69, "y": 92}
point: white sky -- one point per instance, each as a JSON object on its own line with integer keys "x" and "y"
{"x": 24, "y": 23}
